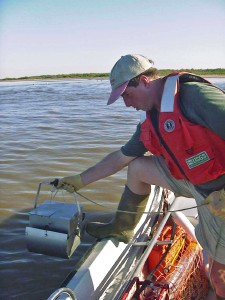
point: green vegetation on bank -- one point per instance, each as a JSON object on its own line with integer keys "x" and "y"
{"x": 162, "y": 72}
{"x": 201, "y": 72}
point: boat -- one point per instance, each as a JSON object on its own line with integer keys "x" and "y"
{"x": 162, "y": 261}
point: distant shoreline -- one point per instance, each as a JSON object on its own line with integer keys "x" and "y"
{"x": 100, "y": 78}
{"x": 208, "y": 73}
{"x": 211, "y": 76}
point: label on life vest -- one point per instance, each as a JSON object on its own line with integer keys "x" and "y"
{"x": 197, "y": 160}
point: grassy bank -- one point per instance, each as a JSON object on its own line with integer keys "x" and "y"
{"x": 201, "y": 72}
{"x": 162, "y": 72}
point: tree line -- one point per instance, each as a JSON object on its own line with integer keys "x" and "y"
{"x": 162, "y": 72}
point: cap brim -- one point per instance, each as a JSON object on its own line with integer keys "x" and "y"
{"x": 117, "y": 93}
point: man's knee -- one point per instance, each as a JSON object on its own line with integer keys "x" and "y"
{"x": 134, "y": 165}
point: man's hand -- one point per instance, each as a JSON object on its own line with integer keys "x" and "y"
{"x": 71, "y": 183}
{"x": 216, "y": 203}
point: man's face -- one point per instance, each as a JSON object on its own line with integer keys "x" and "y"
{"x": 138, "y": 97}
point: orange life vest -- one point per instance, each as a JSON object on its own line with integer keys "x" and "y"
{"x": 191, "y": 151}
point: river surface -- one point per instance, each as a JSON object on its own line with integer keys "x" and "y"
{"x": 51, "y": 129}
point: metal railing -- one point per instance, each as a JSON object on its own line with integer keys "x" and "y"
{"x": 61, "y": 291}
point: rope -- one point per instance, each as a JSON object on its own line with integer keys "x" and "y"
{"x": 92, "y": 201}
{"x": 131, "y": 212}
{"x": 162, "y": 212}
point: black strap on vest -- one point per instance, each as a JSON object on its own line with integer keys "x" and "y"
{"x": 187, "y": 77}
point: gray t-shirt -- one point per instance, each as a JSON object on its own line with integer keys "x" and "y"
{"x": 202, "y": 104}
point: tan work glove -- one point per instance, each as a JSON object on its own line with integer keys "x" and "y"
{"x": 216, "y": 203}
{"x": 71, "y": 183}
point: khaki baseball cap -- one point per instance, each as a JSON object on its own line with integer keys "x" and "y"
{"x": 126, "y": 68}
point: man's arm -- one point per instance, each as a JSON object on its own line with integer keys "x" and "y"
{"x": 109, "y": 165}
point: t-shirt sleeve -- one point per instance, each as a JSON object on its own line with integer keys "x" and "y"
{"x": 205, "y": 105}
{"x": 134, "y": 147}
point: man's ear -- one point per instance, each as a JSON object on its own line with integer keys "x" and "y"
{"x": 144, "y": 79}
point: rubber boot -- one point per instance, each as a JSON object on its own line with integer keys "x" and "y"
{"x": 123, "y": 224}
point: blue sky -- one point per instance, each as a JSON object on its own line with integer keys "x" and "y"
{"x": 72, "y": 36}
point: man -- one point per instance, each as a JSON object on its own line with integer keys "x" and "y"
{"x": 184, "y": 130}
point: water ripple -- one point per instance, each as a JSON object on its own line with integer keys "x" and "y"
{"x": 51, "y": 129}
